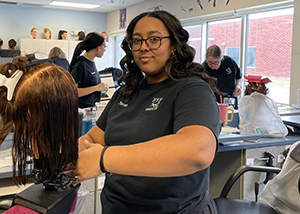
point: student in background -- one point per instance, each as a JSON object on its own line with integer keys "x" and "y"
{"x": 59, "y": 58}
{"x": 47, "y": 33}
{"x": 225, "y": 69}
{"x": 81, "y": 35}
{"x": 12, "y": 44}
{"x": 157, "y": 136}
{"x": 1, "y": 43}
{"x": 62, "y": 34}
{"x": 84, "y": 71}
{"x": 34, "y": 33}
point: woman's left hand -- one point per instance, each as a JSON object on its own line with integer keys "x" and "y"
{"x": 88, "y": 163}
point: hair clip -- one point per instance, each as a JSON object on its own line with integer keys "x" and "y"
{"x": 10, "y": 83}
{"x": 38, "y": 61}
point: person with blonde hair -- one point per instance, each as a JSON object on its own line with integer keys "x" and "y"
{"x": 226, "y": 70}
{"x": 58, "y": 57}
{"x": 47, "y": 33}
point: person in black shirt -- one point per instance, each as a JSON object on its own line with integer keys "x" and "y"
{"x": 84, "y": 71}
{"x": 158, "y": 135}
{"x": 58, "y": 57}
{"x": 225, "y": 69}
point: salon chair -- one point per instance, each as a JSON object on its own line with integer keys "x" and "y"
{"x": 237, "y": 206}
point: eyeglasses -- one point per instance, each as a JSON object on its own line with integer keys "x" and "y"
{"x": 105, "y": 46}
{"x": 153, "y": 43}
{"x": 213, "y": 63}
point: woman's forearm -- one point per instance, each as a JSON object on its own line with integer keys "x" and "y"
{"x": 85, "y": 91}
{"x": 188, "y": 151}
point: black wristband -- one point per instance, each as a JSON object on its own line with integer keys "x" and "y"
{"x": 101, "y": 160}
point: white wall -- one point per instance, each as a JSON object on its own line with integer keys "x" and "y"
{"x": 174, "y": 7}
{"x": 17, "y": 21}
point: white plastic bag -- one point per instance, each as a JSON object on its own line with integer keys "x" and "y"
{"x": 259, "y": 114}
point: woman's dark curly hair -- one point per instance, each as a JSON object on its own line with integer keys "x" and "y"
{"x": 178, "y": 66}
{"x": 256, "y": 87}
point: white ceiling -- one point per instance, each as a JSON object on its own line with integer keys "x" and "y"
{"x": 105, "y": 5}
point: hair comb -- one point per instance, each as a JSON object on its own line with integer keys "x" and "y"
{"x": 10, "y": 83}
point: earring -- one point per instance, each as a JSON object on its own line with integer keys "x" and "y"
{"x": 173, "y": 53}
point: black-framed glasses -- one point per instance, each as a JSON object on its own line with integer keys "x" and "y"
{"x": 213, "y": 63}
{"x": 105, "y": 46}
{"x": 152, "y": 42}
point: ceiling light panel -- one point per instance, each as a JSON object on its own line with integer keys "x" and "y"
{"x": 75, "y": 5}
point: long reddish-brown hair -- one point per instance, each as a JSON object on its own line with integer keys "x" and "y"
{"x": 43, "y": 115}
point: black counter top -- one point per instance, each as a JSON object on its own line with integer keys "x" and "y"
{"x": 262, "y": 142}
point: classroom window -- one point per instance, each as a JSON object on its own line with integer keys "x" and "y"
{"x": 234, "y": 52}
{"x": 195, "y": 40}
{"x": 226, "y": 34}
{"x": 271, "y": 34}
{"x": 119, "y": 51}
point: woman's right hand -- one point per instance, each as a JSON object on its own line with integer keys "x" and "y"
{"x": 102, "y": 87}
{"x": 91, "y": 158}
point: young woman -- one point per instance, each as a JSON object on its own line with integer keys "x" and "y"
{"x": 227, "y": 72}
{"x": 157, "y": 137}
{"x": 84, "y": 71}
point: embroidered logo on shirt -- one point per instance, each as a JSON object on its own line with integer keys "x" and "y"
{"x": 93, "y": 73}
{"x": 121, "y": 103}
{"x": 228, "y": 71}
{"x": 154, "y": 104}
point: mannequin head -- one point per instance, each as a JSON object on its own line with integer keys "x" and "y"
{"x": 62, "y": 34}
{"x": 104, "y": 34}
{"x": 81, "y": 35}
{"x": 34, "y": 33}
{"x": 12, "y": 44}
{"x": 43, "y": 113}
{"x": 47, "y": 33}
{"x": 256, "y": 87}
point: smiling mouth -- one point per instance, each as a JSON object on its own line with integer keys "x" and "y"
{"x": 145, "y": 58}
